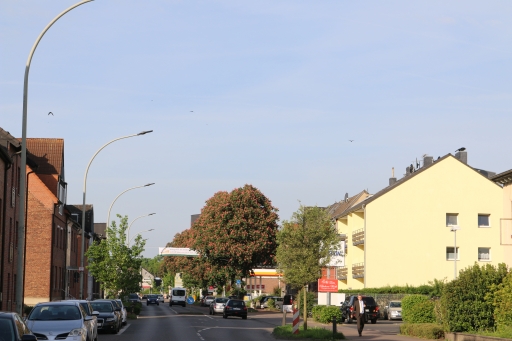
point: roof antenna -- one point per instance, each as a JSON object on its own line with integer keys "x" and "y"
{"x": 393, "y": 172}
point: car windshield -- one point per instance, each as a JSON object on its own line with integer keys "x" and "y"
{"x": 237, "y": 303}
{"x": 178, "y": 292}
{"x": 152, "y": 296}
{"x": 221, "y": 300}
{"x": 6, "y": 331}
{"x": 395, "y": 304}
{"x": 55, "y": 312}
{"x": 102, "y": 307}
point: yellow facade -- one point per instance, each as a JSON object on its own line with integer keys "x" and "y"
{"x": 404, "y": 231}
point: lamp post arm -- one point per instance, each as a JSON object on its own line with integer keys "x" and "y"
{"x": 20, "y": 279}
{"x": 113, "y": 202}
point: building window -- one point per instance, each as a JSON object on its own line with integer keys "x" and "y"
{"x": 484, "y": 254}
{"x": 483, "y": 220}
{"x": 450, "y": 254}
{"x": 452, "y": 219}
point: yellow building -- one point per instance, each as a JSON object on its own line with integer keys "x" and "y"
{"x": 407, "y": 232}
{"x": 505, "y": 179}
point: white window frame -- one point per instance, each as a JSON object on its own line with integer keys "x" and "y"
{"x": 488, "y": 217}
{"x": 451, "y": 253}
{"x": 488, "y": 252}
{"x": 456, "y": 215}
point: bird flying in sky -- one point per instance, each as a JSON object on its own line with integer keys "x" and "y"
{"x": 50, "y": 113}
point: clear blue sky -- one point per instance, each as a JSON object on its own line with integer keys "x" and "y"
{"x": 277, "y": 88}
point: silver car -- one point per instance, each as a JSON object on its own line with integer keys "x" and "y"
{"x": 124, "y": 313}
{"x": 394, "y": 310}
{"x": 93, "y": 331}
{"x": 217, "y": 305}
{"x": 65, "y": 320}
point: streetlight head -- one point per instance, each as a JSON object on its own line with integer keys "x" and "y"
{"x": 150, "y": 230}
{"x": 145, "y": 132}
{"x": 454, "y": 228}
{"x": 146, "y": 185}
{"x": 151, "y": 213}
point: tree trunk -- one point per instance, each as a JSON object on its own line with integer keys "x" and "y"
{"x": 305, "y": 310}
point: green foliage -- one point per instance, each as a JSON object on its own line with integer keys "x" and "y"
{"x": 303, "y": 245}
{"x": 276, "y": 291}
{"x": 271, "y": 303}
{"x": 325, "y": 314}
{"x": 432, "y": 289}
{"x": 502, "y": 303}
{"x": 504, "y": 332}
{"x": 467, "y": 302}
{"x": 315, "y": 333}
{"x": 27, "y": 309}
{"x": 418, "y": 309}
{"x": 133, "y": 307}
{"x": 310, "y": 302}
{"x": 115, "y": 265}
{"x": 422, "y": 330}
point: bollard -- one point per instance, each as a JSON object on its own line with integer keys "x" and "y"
{"x": 284, "y": 317}
{"x": 296, "y": 319}
{"x": 334, "y": 327}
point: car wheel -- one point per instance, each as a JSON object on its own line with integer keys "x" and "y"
{"x": 244, "y": 317}
{"x": 374, "y": 321}
{"x": 224, "y": 316}
{"x": 114, "y": 331}
{"x": 389, "y": 317}
{"x": 183, "y": 304}
{"x": 349, "y": 319}
{"x": 278, "y": 307}
{"x": 170, "y": 304}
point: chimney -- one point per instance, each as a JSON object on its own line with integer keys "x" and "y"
{"x": 427, "y": 160}
{"x": 462, "y": 156}
{"x": 392, "y": 179}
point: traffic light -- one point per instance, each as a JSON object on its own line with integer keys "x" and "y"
{"x": 158, "y": 281}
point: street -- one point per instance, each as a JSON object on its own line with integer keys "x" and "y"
{"x": 194, "y": 323}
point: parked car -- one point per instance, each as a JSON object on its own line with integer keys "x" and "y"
{"x": 118, "y": 309}
{"x": 178, "y": 296}
{"x": 124, "y": 312}
{"x": 63, "y": 320}
{"x": 207, "y": 301}
{"x": 161, "y": 298}
{"x": 394, "y": 310}
{"x": 86, "y": 305}
{"x": 108, "y": 317}
{"x": 12, "y": 327}
{"x": 277, "y": 300}
{"x": 235, "y": 308}
{"x": 371, "y": 309}
{"x": 152, "y": 299}
{"x": 134, "y": 298}
{"x": 217, "y": 305}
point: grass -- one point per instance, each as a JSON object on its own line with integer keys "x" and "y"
{"x": 315, "y": 333}
{"x": 131, "y": 316}
{"x": 505, "y": 333}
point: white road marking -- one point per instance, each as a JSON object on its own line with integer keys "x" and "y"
{"x": 123, "y": 330}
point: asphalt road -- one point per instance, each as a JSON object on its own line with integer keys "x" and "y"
{"x": 194, "y": 323}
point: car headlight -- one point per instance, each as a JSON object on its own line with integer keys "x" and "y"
{"x": 110, "y": 319}
{"x": 76, "y": 332}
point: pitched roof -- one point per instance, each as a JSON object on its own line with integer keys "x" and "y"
{"x": 337, "y": 209}
{"x": 89, "y": 215}
{"x": 504, "y": 178}
{"x": 385, "y": 190}
{"x": 8, "y": 138}
{"x": 48, "y": 154}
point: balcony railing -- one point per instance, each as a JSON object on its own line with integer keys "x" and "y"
{"x": 342, "y": 273}
{"x": 358, "y": 270}
{"x": 358, "y": 237}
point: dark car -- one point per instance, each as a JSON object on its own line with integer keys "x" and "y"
{"x": 134, "y": 298}
{"x": 12, "y": 327}
{"x": 118, "y": 308}
{"x": 108, "y": 317}
{"x": 235, "y": 308}
{"x": 152, "y": 299}
{"x": 371, "y": 309}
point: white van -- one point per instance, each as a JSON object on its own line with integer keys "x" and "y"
{"x": 178, "y": 296}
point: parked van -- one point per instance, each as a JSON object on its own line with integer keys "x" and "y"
{"x": 178, "y": 296}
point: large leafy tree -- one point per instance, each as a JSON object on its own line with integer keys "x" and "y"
{"x": 115, "y": 265}
{"x": 303, "y": 247}
{"x": 236, "y": 232}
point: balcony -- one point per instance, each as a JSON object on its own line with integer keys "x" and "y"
{"x": 342, "y": 273}
{"x": 358, "y": 270}
{"x": 358, "y": 237}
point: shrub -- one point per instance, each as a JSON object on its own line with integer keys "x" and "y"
{"x": 27, "y": 309}
{"x": 502, "y": 303}
{"x": 271, "y": 303}
{"x": 412, "y": 309}
{"x": 310, "y": 297}
{"x": 325, "y": 314}
{"x": 422, "y": 330}
{"x": 465, "y": 305}
{"x": 133, "y": 307}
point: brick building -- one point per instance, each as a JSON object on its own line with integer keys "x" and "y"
{"x": 10, "y": 160}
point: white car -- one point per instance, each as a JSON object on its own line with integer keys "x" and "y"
{"x": 161, "y": 298}
{"x": 394, "y": 310}
{"x": 123, "y": 312}
{"x": 178, "y": 296}
{"x": 93, "y": 326}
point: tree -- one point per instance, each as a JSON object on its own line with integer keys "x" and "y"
{"x": 115, "y": 265}
{"x": 236, "y": 232}
{"x": 303, "y": 248}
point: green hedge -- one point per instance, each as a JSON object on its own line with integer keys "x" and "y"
{"x": 418, "y": 309}
{"x": 422, "y": 330}
{"x": 502, "y": 302}
{"x": 324, "y": 314}
{"x": 133, "y": 307}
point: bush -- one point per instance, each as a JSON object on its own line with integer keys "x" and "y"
{"x": 133, "y": 307}
{"x": 27, "y": 309}
{"x": 502, "y": 302}
{"x": 271, "y": 303}
{"x": 422, "y": 330}
{"x": 324, "y": 314}
{"x": 467, "y": 302}
{"x": 311, "y": 302}
{"x": 417, "y": 309}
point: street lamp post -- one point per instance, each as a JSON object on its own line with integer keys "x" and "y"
{"x": 138, "y": 233}
{"x": 23, "y": 165}
{"x": 128, "y": 230}
{"x": 454, "y": 230}
{"x": 129, "y": 189}
{"x": 83, "y": 206}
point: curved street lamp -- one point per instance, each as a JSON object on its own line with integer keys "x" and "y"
{"x": 128, "y": 230}
{"x": 129, "y": 189}
{"x": 138, "y": 234}
{"x": 83, "y": 205}
{"x": 20, "y": 279}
